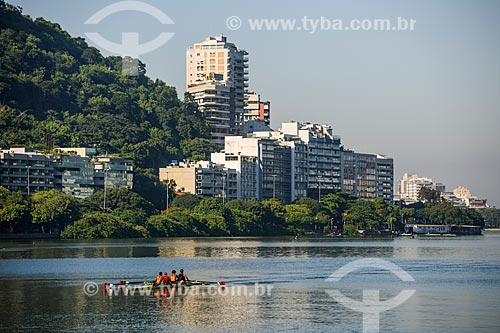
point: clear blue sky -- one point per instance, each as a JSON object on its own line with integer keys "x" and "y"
{"x": 430, "y": 98}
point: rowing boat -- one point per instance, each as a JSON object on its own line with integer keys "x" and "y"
{"x": 126, "y": 285}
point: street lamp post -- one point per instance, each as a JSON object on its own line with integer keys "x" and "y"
{"x": 401, "y": 209}
{"x": 28, "y": 167}
{"x": 105, "y": 174}
{"x": 274, "y": 186}
{"x": 223, "y": 188}
{"x": 319, "y": 189}
{"x": 168, "y": 185}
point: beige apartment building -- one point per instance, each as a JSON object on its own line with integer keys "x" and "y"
{"x": 217, "y": 69}
{"x": 203, "y": 178}
{"x": 214, "y": 101}
{"x": 256, "y": 109}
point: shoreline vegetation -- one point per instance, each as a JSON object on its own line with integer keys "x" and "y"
{"x": 128, "y": 215}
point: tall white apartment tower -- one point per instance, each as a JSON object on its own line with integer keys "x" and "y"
{"x": 410, "y": 185}
{"x": 217, "y": 67}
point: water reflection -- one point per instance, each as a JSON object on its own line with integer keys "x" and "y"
{"x": 465, "y": 247}
{"x": 209, "y": 248}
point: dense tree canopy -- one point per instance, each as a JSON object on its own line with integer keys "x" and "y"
{"x": 101, "y": 225}
{"x": 186, "y": 201}
{"x": 119, "y": 200}
{"x": 491, "y": 217}
{"x": 14, "y": 211}
{"x": 53, "y": 209}
{"x": 428, "y": 195}
{"x": 127, "y": 214}
{"x": 363, "y": 214}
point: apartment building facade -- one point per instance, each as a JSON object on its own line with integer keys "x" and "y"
{"x": 324, "y": 174}
{"x": 113, "y": 172}
{"x": 256, "y": 109}
{"x": 248, "y": 173}
{"x": 215, "y": 100}
{"x": 26, "y": 171}
{"x": 74, "y": 175}
{"x": 202, "y": 178}
{"x": 410, "y": 185}
{"x": 273, "y": 160}
{"x": 368, "y": 176}
{"x": 215, "y": 60}
{"x": 73, "y": 171}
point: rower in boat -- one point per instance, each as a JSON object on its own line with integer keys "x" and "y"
{"x": 173, "y": 277}
{"x": 159, "y": 279}
{"x": 182, "y": 277}
{"x": 166, "y": 278}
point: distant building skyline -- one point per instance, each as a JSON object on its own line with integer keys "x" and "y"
{"x": 410, "y": 185}
{"x": 299, "y": 160}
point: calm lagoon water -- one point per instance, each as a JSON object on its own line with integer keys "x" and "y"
{"x": 457, "y": 283}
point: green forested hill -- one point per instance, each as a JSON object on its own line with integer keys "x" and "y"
{"x": 57, "y": 91}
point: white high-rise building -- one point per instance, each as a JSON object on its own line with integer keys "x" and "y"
{"x": 410, "y": 185}
{"x": 299, "y": 160}
{"x": 247, "y": 173}
{"x": 274, "y": 163}
{"x": 368, "y": 176}
{"x": 217, "y": 60}
{"x": 323, "y": 156}
{"x": 214, "y": 101}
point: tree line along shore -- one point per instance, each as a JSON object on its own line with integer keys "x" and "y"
{"x": 128, "y": 215}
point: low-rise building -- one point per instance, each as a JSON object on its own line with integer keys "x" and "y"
{"x": 113, "y": 172}
{"x": 471, "y": 201}
{"x": 203, "y": 178}
{"x": 71, "y": 170}
{"x": 439, "y": 187}
{"x": 74, "y": 174}
{"x": 427, "y": 229}
{"x": 452, "y": 199}
{"x": 442, "y": 229}
{"x": 26, "y": 171}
